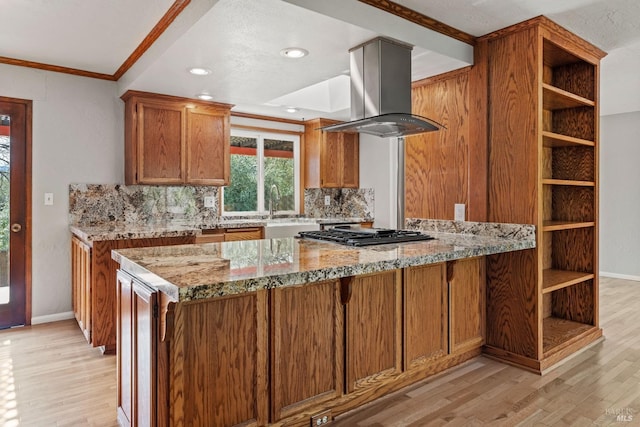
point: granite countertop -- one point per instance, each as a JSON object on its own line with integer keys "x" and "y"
{"x": 122, "y": 231}
{"x": 191, "y": 272}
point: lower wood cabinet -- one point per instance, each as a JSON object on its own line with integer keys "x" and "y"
{"x": 467, "y": 281}
{"x": 426, "y": 319}
{"x": 231, "y": 235}
{"x": 94, "y": 295}
{"x": 306, "y": 347}
{"x": 285, "y": 355}
{"x": 373, "y": 328}
{"x": 137, "y": 399}
{"x": 218, "y": 362}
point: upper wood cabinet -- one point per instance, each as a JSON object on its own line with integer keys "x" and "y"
{"x": 331, "y": 158}
{"x": 172, "y": 140}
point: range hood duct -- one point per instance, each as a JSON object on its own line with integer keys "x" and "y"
{"x": 381, "y": 92}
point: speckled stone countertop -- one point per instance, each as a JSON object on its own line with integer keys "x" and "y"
{"x": 122, "y": 231}
{"x": 191, "y": 272}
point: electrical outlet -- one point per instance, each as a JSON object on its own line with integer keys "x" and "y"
{"x": 48, "y": 199}
{"x": 459, "y": 212}
{"x": 209, "y": 201}
{"x": 327, "y": 200}
{"x": 321, "y": 419}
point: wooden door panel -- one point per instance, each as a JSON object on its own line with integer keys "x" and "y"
{"x": 125, "y": 353}
{"x": 144, "y": 351}
{"x": 208, "y": 147}
{"x": 373, "y": 319}
{"x": 467, "y": 303}
{"x": 426, "y": 314}
{"x": 307, "y": 346}
{"x": 350, "y": 160}
{"x": 331, "y": 160}
{"x": 218, "y": 346}
{"x": 160, "y": 143}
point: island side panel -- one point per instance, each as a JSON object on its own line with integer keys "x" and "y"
{"x": 219, "y": 362}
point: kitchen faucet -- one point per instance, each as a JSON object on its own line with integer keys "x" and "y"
{"x": 273, "y": 205}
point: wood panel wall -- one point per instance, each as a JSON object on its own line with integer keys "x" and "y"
{"x": 449, "y": 166}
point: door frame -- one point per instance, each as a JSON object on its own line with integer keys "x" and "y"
{"x": 28, "y": 106}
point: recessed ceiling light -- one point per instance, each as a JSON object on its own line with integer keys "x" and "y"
{"x": 294, "y": 52}
{"x": 291, "y": 110}
{"x": 204, "y": 96}
{"x": 198, "y": 71}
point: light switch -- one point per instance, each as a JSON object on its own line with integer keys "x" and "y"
{"x": 459, "y": 212}
{"x": 327, "y": 200}
{"x": 48, "y": 199}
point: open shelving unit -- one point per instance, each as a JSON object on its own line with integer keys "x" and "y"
{"x": 542, "y": 305}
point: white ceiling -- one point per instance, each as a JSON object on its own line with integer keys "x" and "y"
{"x": 239, "y": 41}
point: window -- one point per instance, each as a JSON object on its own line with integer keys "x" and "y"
{"x": 262, "y": 164}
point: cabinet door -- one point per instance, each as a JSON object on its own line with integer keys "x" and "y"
{"x": 373, "y": 328}
{"x": 331, "y": 160}
{"x": 160, "y": 157}
{"x": 350, "y": 160}
{"x": 208, "y": 140}
{"x": 426, "y": 314}
{"x": 219, "y": 362}
{"x": 466, "y": 303}
{"x": 125, "y": 351}
{"x": 81, "y": 283}
{"x": 144, "y": 325}
{"x": 307, "y": 347}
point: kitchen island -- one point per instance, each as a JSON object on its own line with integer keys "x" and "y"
{"x": 290, "y": 331}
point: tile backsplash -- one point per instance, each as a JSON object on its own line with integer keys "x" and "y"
{"x": 343, "y": 202}
{"x": 91, "y": 204}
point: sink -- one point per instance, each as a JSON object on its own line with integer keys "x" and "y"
{"x": 288, "y": 227}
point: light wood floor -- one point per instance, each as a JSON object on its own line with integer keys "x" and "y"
{"x": 50, "y": 376}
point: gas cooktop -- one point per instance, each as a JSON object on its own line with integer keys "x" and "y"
{"x": 356, "y": 236}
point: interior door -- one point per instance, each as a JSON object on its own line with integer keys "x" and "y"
{"x": 15, "y": 129}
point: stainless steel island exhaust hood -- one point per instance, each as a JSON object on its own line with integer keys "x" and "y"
{"x": 381, "y": 92}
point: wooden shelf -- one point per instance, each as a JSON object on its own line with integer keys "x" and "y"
{"x": 568, "y": 182}
{"x": 558, "y": 99}
{"x": 565, "y": 225}
{"x": 552, "y": 140}
{"x": 557, "y": 331}
{"x": 552, "y": 279}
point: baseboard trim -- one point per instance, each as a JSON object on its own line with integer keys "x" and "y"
{"x": 52, "y": 318}
{"x": 620, "y": 276}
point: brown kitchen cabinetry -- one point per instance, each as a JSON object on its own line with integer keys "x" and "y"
{"x": 543, "y": 303}
{"x": 230, "y": 235}
{"x": 373, "y": 319}
{"x": 172, "y": 140}
{"x": 332, "y": 159}
{"x": 137, "y": 357}
{"x": 94, "y": 275}
{"x": 81, "y": 284}
{"x": 466, "y": 283}
{"x": 306, "y": 347}
{"x": 426, "y": 315}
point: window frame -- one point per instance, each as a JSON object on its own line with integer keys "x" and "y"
{"x": 260, "y": 136}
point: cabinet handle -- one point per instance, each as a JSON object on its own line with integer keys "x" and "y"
{"x": 16, "y": 227}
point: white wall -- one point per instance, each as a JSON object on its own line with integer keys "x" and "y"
{"x": 620, "y": 195}
{"x": 78, "y": 137}
{"x": 378, "y": 170}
